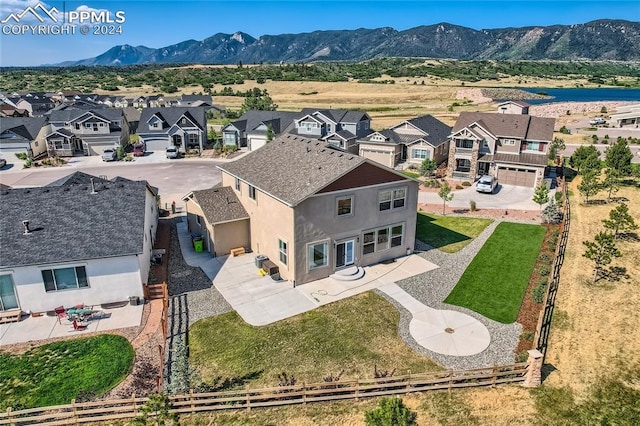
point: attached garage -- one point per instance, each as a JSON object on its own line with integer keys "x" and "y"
{"x": 154, "y": 143}
{"x": 380, "y": 156}
{"x": 517, "y": 176}
{"x": 256, "y": 142}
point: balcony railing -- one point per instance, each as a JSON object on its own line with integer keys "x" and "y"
{"x": 464, "y": 150}
{"x": 460, "y": 174}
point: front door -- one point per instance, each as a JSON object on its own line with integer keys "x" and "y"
{"x": 8, "y": 299}
{"x": 345, "y": 253}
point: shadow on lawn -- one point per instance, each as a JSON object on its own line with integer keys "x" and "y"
{"x": 435, "y": 235}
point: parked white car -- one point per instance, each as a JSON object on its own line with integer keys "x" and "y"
{"x": 597, "y": 120}
{"x": 109, "y": 155}
{"x": 172, "y": 152}
{"x": 487, "y": 184}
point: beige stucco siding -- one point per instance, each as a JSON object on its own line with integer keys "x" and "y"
{"x": 195, "y": 215}
{"x": 317, "y": 221}
{"x": 230, "y": 235}
{"x": 270, "y": 220}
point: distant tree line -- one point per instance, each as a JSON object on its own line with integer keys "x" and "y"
{"x": 167, "y": 78}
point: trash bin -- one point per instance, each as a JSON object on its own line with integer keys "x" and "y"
{"x": 133, "y": 300}
{"x": 198, "y": 245}
{"x": 260, "y": 259}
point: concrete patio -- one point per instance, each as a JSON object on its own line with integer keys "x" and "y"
{"x": 47, "y": 327}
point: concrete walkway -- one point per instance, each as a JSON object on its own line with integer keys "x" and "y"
{"x": 260, "y": 300}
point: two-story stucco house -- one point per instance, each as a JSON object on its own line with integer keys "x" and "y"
{"x": 22, "y": 135}
{"x": 182, "y": 127}
{"x": 252, "y": 128}
{"x": 310, "y": 208}
{"x": 81, "y": 239}
{"x": 338, "y": 127}
{"x": 86, "y": 132}
{"x": 513, "y": 147}
{"x": 411, "y": 142}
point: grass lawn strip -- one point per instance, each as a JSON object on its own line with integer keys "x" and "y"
{"x": 58, "y": 372}
{"x": 351, "y": 335}
{"x": 495, "y": 281}
{"x": 449, "y": 233}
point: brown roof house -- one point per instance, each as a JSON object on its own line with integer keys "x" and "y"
{"x": 310, "y": 208}
{"x": 513, "y": 147}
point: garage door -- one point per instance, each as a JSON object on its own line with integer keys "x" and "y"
{"x": 516, "y": 176}
{"x": 98, "y": 148}
{"x": 382, "y": 157}
{"x": 155, "y": 144}
{"x": 256, "y": 143}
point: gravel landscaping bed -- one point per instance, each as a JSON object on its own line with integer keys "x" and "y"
{"x": 432, "y": 287}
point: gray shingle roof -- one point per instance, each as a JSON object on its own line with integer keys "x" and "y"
{"x": 71, "y": 113}
{"x": 525, "y": 158}
{"x": 77, "y": 178}
{"x": 509, "y": 125}
{"x": 437, "y": 131}
{"x": 220, "y": 204}
{"x": 71, "y": 224}
{"x": 280, "y": 120}
{"x": 27, "y": 127}
{"x": 171, "y": 115}
{"x": 292, "y": 168}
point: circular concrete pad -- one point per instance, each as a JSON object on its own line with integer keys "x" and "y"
{"x": 449, "y": 332}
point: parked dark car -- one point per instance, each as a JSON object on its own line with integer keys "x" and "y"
{"x": 138, "y": 150}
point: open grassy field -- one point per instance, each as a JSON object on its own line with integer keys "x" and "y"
{"x": 449, "y": 233}
{"x": 58, "y": 372}
{"x": 495, "y": 281}
{"x": 352, "y": 335}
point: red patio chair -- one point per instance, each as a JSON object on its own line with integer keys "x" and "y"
{"x": 78, "y": 327}
{"x": 61, "y": 312}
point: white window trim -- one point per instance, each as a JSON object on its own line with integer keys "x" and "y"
{"x": 387, "y": 246}
{"x": 284, "y": 253}
{"x": 52, "y": 268}
{"x": 393, "y": 199}
{"x": 345, "y": 197}
{"x": 414, "y": 151}
{"x": 252, "y": 193}
{"x": 326, "y": 257}
{"x": 237, "y": 185}
{"x": 510, "y": 142}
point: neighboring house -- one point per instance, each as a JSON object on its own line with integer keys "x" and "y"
{"x": 76, "y": 131}
{"x": 338, "y": 127}
{"x": 140, "y": 102}
{"x": 195, "y": 101}
{"x": 250, "y": 130}
{"x": 512, "y": 147}
{"x": 411, "y": 142}
{"x": 314, "y": 209}
{"x": 513, "y": 107}
{"x": 7, "y": 110}
{"x": 218, "y": 216}
{"x": 22, "y": 135}
{"x": 183, "y": 127}
{"x": 628, "y": 115}
{"x": 79, "y": 240}
{"x": 133, "y": 118}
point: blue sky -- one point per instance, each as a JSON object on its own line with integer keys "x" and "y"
{"x": 160, "y": 23}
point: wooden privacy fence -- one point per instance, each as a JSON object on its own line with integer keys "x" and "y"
{"x": 194, "y": 402}
{"x": 544, "y": 320}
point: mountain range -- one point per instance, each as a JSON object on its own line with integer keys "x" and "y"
{"x": 617, "y": 40}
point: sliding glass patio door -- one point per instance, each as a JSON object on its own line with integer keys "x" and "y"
{"x": 8, "y": 299}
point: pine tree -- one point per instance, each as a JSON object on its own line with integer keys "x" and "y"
{"x": 618, "y": 156}
{"x": 611, "y": 182}
{"x": 620, "y": 221}
{"x": 589, "y": 186}
{"x": 601, "y": 251}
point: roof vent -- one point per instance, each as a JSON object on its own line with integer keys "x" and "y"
{"x": 27, "y": 231}
{"x": 93, "y": 187}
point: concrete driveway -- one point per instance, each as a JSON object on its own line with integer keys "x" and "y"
{"x": 506, "y": 197}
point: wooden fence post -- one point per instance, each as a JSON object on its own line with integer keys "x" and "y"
{"x": 495, "y": 372}
{"x": 408, "y": 380}
{"x": 246, "y": 390}
{"x": 133, "y": 402}
{"x": 450, "y": 380}
{"x": 357, "y": 387}
{"x": 75, "y": 410}
{"x": 304, "y": 393}
{"x": 9, "y": 416}
{"x": 193, "y": 406}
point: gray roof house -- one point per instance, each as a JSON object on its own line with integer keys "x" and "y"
{"x": 195, "y": 101}
{"x": 512, "y": 147}
{"x": 250, "y": 130}
{"x": 408, "y": 143}
{"x": 67, "y": 243}
{"x": 76, "y": 131}
{"x": 22, "y": 135}
{"x": 183, "y": 127}
{"x": 313, "y": 209}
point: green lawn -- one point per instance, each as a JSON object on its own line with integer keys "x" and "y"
{"x": 351, "y": 335}
{"x": 448, "y": 233}
{"x": 497, "y": 278}
{"x": 58, "y": 372}
{"x": 413, "y": 175}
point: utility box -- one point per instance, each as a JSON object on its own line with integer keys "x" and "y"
{"x": 270, "y": 268}
{"x": 134, "y": 300}
{"x": 260, "y": 259}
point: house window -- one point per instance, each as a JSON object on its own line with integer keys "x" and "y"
{"x": 382, "y": 239}
{"x": 77, "y": 126}
{"x": 345, "y": 206}
{"x": 282, "y": 248}
{"x": 65, "y": 278}
{"x": 368, "y": 242}
{"x": 252, "y": 192}
{"x": 532, "y": 146}
{"x": 87, "y": 125}
{"x": 317, "y": 255}
{"x": 509, "y": 142}
{"x": 392, "y": 199}
{"x": 101, "y": 124}
{"x": 183, "y": 121}
{"x": 421, "y": 154}
{"x": 396, "y": 235}
{"x": 237, "y": 184}
{"x": 465, "y": 143}
{"x": 194, "y": 139}
{"x": 198, "y": 220}
{"x": 8, "y": 299}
